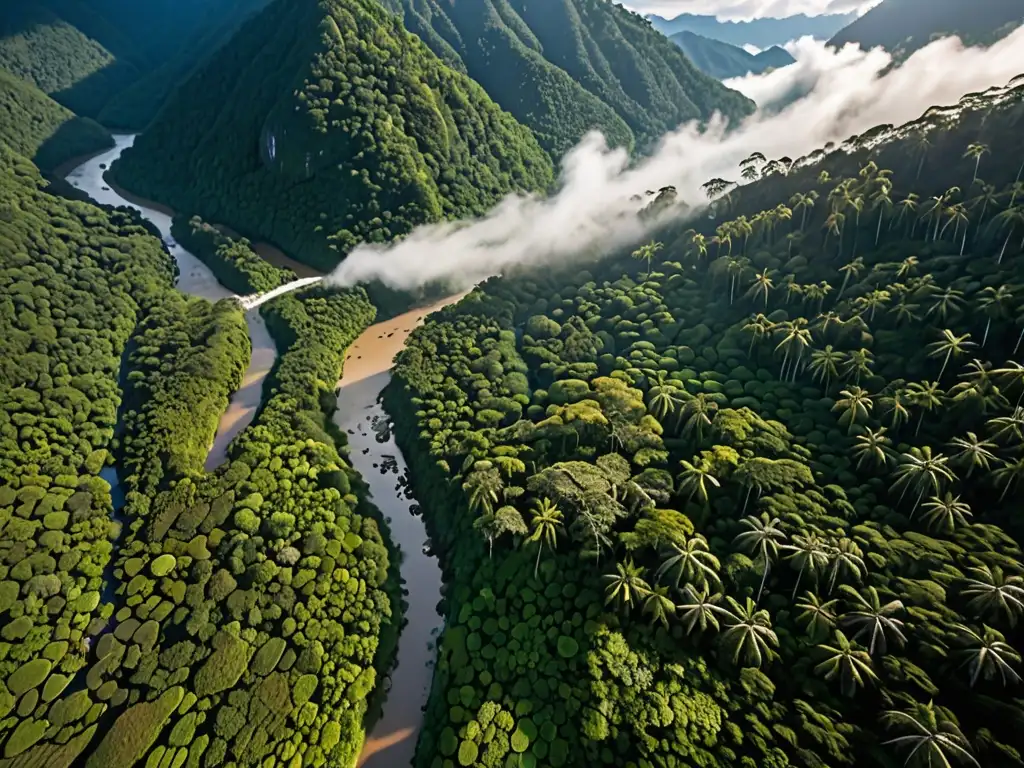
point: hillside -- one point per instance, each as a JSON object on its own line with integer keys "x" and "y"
{"x": 763, "y": 33}
{"x": 34, "y": 125}
{"x": 323, "y": 124}
{"x": 722, "y": 61}
{"x": 564, "y": 67}
{"x": 901, "y": 27}
{"x": 85, "y": 55}
{"x": 748, "y": 495}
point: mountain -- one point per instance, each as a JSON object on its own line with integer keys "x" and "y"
{"x": 564, "y": 67}
{"x": 34, "y": 125}
{"x": 904, "y": 26}
{"x": 722, "y": 61}
{"x": 323, "y": 124}
{"x": 87, "y": 55}
{"x": 762, "y": 33}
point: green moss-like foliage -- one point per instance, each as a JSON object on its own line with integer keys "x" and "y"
{"x": 224, "y": 667}
{"x": 25, "y": 735}
{"x": 335, "y": 166}
{"x": 135, "y": 731}
{"x": 162, "y": 565}
{"x": 567, "y": 647}
{"x": 28, "y": 675}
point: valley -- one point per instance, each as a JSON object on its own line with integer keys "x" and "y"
{"x": 719, "y": 467}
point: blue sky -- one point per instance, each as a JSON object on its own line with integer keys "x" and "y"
{"x": 747, "y": 9}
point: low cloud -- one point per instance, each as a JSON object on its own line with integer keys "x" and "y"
{"x": 745, "y": 10}
{"x": 847, "y": 93}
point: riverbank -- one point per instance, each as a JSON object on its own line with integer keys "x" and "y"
{"x": 374, "y": 454}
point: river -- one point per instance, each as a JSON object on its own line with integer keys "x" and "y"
{"x": 373, "y": 453}
{"x": 194, "y": 279}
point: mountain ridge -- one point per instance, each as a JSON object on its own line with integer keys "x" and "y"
{"x": 762, "y": 32}
{"x": 724, "y": 61}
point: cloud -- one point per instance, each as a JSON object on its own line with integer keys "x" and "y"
{"x": 592, "y": 212}
{"x": 744, "y": 10}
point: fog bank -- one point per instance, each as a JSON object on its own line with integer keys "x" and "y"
{"x": 847, "y": 92}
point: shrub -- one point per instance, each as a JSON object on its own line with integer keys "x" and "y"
{"x": 28, "y": 675}
{"x": 224, "y": 667}
{"x": 135, "y": 731}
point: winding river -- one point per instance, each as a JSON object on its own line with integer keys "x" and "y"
{"x": 373, "y": 453}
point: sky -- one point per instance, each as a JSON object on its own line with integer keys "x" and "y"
{"x": 736, "y": 10}
{"x": 848, "y": 92}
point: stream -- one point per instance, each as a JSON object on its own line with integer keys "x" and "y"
{"x": 373, "y": 453}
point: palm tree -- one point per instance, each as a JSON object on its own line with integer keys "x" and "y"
{"x": 993, "y": 594}
{"x": 1009, "y": 429}
{"x": 921, "y": 145}
{"x": 873, "y": 302}
{"x": 795, "y": 337}
{"x": 700, "y": 609}
{"x": 749, "y": 633}
{"x": 873, "y": 445}
{"x": 807, "y": 553}
{"x": 691, "y": 561}
{"x": 908, "y": 209}
{"x": 851, "y": 666}
{"x": 995, "y": 303}
{"x": 762, "y": 539}
{"x": 659, "y": 606}
{"x": 976, "y": 152}
{"x": 894, "y": 407}
{"x": 547, "y": 525}
{"x": 804, "y": 203}
{"x": 985, "y": 198}
{"x": 925, "y": 395}
{"x": 695, "y": 415}
{"x": 758, "y": 328}
{"x": 483, "y": 487}
{"x": 858, "y": 364}
{"x": 847, "y": 559}
{"x": 762, "y": 285}
{"x": 944, "y": 514}
{"x": 907, "y": 267}
{"x": 854, "y": 406}
{"x": 931, "y": 734}
{"x": 626, "y": 586}
{"x": 974, "y": 453}
{"x": 1009, "y": 220}
{"x": 646, "y": 253}
{"x": 1013, "y": 375}
{"x": 987, "y": 655}
{"x": 493, "y": 526}
{"x": 792, "y": 288}
{"x": 694, "y": 480}
{"x": 853, "y": 269}
{"x": 873, "y": 619}
{"x": 698, "y": 245}
{"x": 946, "y": 303}
{"x": 950, "y": 346}
{"x": 818, "y": 617}
{"x": 957, "y": 214}
{"x": 834, "y": 226}
{"x": 664, "y": 399}
{"x": 905, "y": 311}
{"x": 825, "y": 364}
{"x": 817, "y": 292}
{"x": 924, "y": 471}
{"x": 1009, "y": 475}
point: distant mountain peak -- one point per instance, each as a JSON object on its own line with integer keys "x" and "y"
{"x": 724, "y": 61}
{"x": 763, "y": 33}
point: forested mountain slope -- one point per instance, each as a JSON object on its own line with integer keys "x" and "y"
{"x": 564, "y": 67}
{"x": 903, "y": 26}
{"x": 722, "y": 61}
{"x": 749, "y": 498}
{"x": 322, "y": 124}
{"x": 763, "y": 33}
{"x": 87, "y": 54}
{"x": 195, "y": 619}
{"x": 34, "y": 125}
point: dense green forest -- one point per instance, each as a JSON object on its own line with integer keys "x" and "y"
{"x": 565, "y": 67}
{"x": 236, "y": 265}
{"x": 901, "y": 28}
{"x": 749, "y": 497}
{"x": 351, "y": 130}
{"x": 35, "y": 126}
{"x": 722, "y": 61}
{"x": 238, "y": 617}
{"x": 114, "y": 60}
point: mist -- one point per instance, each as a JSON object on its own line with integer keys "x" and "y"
{"x": 593, "y": 211}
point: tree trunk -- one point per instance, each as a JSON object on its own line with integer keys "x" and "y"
{"x": 878, "y": 232}
{"x": 536, "y": 565}
{"x": 764, "y": 577}
{"x": 984, "y": 338}
{"x": 795, "y": 588}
